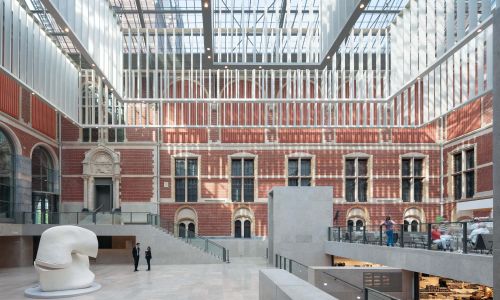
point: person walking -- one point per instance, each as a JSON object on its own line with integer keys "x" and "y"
{"x": 389, "y": 230}
{"x": 148, "y": 257}
{"x": 135, "y": 254}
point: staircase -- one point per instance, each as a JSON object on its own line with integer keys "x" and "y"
{"x": 200, "y": 243}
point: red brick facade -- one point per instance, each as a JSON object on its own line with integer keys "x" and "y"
{"x": 146, "y": 165}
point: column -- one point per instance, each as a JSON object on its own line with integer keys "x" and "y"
{"x": 90, "y": 194}
{"x": 85, "y": 193}
{"x": 116, "y": 193}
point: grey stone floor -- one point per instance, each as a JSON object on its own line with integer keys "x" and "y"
{"x": 238, "y": 280}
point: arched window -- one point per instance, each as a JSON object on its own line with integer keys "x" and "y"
{"x": 191, "y": 230}
{"x": 414, "y": 226}
{"x": 359, "y": 225}
{"x": 247, "y": 229}
{"x": 350, "y": 225}
{"x": 237, "y": 229}
{"x": 182, "y": 230}
{"x": 6, "y": 177}
{"x": 406, "y": 225}
{"x": 43, "y": 176}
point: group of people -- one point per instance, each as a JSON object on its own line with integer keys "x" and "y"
{"x": 136, "y": 252}
{"x": 439, "y": 233}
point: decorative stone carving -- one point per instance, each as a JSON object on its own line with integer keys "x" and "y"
{"x": 100, "y": 162}
{"x": 62, "y": 262}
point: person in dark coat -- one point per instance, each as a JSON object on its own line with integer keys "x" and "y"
{"x": 135, "y": 254}
{"x": 148, "y": 257}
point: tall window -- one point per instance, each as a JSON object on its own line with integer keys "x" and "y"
{"x": 299, "y": 172}
{"x": 45, "y": 200}
{"x": 242, "y": 180}
{"x": 115, "y": 116}
{"x": 6, "y": 177}
{"x": 356, "y": 179}
{"x": 186, "y": 180}
{"x": 412, "y": 179}
{"x": 463, "y": 174}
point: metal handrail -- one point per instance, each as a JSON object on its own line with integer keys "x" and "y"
{"x": 345, "y": 282}
{"x": 456, "y": 236}
{"x": 367, "y": 292}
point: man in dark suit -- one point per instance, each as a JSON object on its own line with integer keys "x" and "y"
{"x": 135, "y": 253}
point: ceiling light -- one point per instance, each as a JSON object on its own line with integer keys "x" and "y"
{"x": 479, "y": 30}
{"x": 103, "y": 78}
{"x": 260, "y": 67}
{"x": 111, "y": 89}
{"x": 361, "y": 6}
{"x": 205, "y": 5}
{"x": 93, "y": 65}
{"x": 209, "y": 57}
{"x": 328, "y": 57}
{"x": 225, "y": 67}
{"x": 208, "y": 48}
{"x": 32, "y": 93}
{"x": 66, "y": 29}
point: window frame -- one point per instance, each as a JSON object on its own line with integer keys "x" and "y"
{"x": 242, "y": 177}
{"x": 462, "y": 173}
{"x": 412, "y": 177}
{"x": 299, "y": 177}
{"x": 185, "y": 177}
{"x": 356, "y": 176}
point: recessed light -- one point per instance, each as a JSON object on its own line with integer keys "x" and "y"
{"x": 328, "y": 57}
{"x": 208, "y": 48}
{"x": 93, "y": 65}
{"x": 479, "y": 30}
{"x": 66, "y": 29}
{"x": 209, "y": 57}
{"x": 111, "y": 89}
{"x": 361, "y": 6}
{"x": 103, "y": 78}
{"x": 260, "y": 67}
{"x": 325, "y": 284}
{"x": 32, "y": 93}
{"x": 205, "y": 5}
{"x": 225, "y": 67}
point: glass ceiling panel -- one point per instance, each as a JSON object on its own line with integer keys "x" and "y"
{"x": 262, "y": 21}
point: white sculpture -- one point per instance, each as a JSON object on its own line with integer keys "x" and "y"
{"x": 62, "y": 261}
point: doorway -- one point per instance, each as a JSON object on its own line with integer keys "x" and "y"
{"x": 103, "y": 194}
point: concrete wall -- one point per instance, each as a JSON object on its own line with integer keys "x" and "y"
{"x": 298, "y": 221}
{"x": 467, "y": 267}
{"x": 275, "y": 284}
{"x": 254, "y": 247}
{"x": 166, "y": 249}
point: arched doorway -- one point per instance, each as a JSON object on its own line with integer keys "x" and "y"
{"x": 6, "y": 176}
{"x": 44, "y": 196}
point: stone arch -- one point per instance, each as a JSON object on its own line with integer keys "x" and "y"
{"x": 100, "y": 162}
{"x": 14, "y": 141}
{"x": 414, "y": 213}
{"x": 51, "y": 152}
{"x": 243, "y": 214}
{"x": 183, "y": 216}
{"x": 358, "y": 213}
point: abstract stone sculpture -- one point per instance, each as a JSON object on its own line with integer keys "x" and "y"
{"x": 62, "y": 261}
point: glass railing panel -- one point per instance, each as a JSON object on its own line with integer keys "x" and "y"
{"x": 85, "y": 218}
{"x": 216, "y": 250}
{"x": 297, "y": 269}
